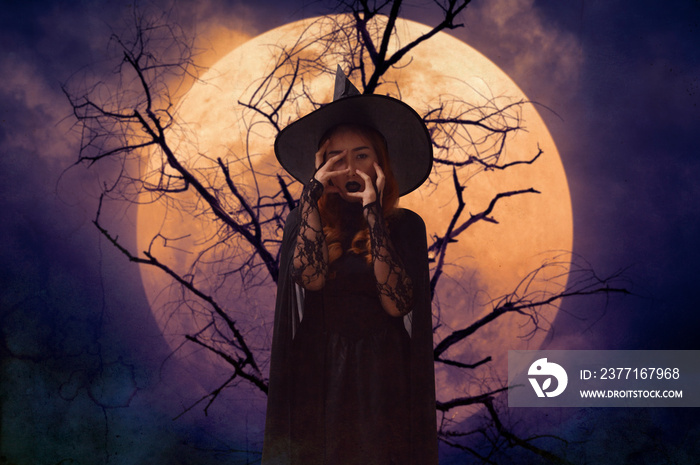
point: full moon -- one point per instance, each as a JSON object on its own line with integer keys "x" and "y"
{"x": 490, "y": 259}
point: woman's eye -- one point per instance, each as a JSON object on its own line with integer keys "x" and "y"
{"x": 362, "y": 156}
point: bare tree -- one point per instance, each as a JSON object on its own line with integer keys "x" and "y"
{"x": 129, "y": 125}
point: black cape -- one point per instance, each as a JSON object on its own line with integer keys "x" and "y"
{"x": 281, "y": 443}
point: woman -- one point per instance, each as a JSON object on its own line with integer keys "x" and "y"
{"x": 351, "y": 379}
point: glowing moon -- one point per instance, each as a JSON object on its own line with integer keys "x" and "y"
{"x": 488, "y": 261}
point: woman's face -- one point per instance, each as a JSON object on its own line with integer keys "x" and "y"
{"x": 360, "y": 156}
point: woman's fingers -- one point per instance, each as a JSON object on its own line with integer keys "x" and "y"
{"x": 336, "y": 158}
{"x": 328, "y": 167}
{"x": 321, "y": 154}
{"x": 381, "y": 179}
{"x": 327, "y": 170}
{"x": 364, "y": 177}
{"x": 368, "y": 194}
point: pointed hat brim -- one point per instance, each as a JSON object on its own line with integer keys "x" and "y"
{"x": 408, "y": 141}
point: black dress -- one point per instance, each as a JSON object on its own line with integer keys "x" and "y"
{"x": 350, "y": 384}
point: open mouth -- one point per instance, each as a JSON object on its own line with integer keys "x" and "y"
{"x": 353, "y": 186}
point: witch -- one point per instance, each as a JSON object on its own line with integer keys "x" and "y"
{"x": 351, "y": 375}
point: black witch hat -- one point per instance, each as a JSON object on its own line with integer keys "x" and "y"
{"x": 408, "y": 141}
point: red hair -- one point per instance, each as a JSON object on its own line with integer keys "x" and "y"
{"x": 328, "y": 205}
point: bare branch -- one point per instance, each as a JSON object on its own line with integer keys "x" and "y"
{"x": 380, "y": 61}
{"x": 464, "y": 401}
{"x": 150, "y": 260}
{"x": 521, "y": 301}
{"x": 469, "y": 366}
{"x": 516, "y": 441}
{"x": 439, "y": 246}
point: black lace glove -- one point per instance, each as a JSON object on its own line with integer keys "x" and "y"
{"x": 393, "y": 283}
{"x": 310, "y": 262}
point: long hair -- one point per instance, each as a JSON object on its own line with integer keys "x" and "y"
{"x": 329, "y": 205}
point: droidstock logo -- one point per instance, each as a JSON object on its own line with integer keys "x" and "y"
{"x": 541, "y": 368}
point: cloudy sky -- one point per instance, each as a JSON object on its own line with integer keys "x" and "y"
{"x": 84, "y": 371}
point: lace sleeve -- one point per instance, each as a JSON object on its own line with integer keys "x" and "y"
{"x": 393, "y": 283}
{"x": 310, "y": 262}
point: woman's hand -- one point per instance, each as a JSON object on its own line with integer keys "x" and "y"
{"x": 324, "y": 168}
{"x": 370, "y": 193}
